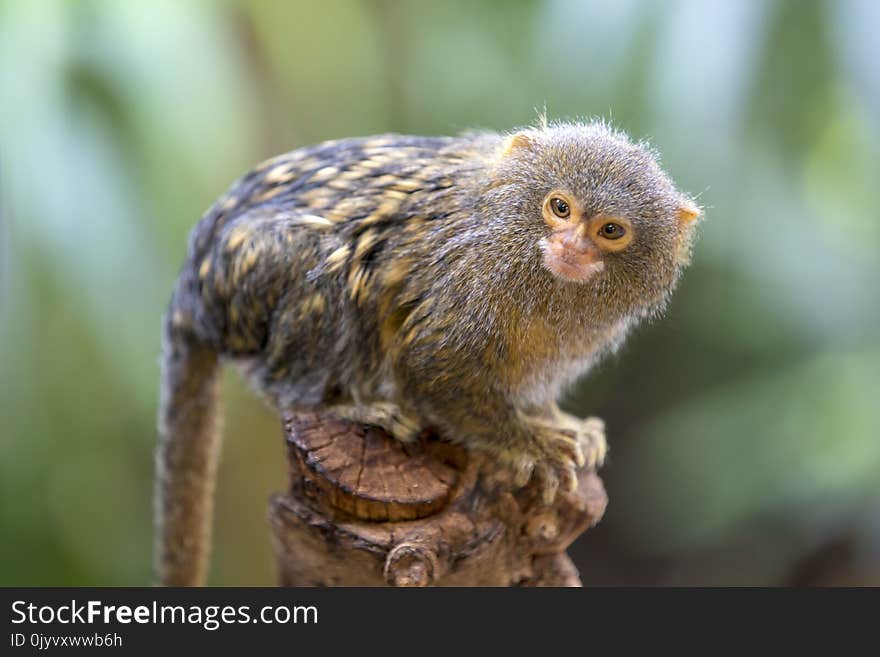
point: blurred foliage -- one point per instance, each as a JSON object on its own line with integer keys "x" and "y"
{"x": 745, "y": 425}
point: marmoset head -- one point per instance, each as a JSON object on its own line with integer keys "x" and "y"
{"x": 599, "y": 209}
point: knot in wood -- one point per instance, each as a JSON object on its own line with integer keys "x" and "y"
{"x": 411, "y": 565}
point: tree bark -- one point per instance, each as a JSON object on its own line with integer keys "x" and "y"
{"x": 365, "y": 510}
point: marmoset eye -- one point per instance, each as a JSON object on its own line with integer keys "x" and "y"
{"x": 612, "y": 231}
{"x": 560, "y": 207}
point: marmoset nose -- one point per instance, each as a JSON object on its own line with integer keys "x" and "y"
{"x": 576, "y": 238}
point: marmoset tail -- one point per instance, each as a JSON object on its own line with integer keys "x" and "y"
{"x": 456, "y": 284}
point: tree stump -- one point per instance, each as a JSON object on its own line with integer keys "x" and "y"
{"x": 366, "y": 510}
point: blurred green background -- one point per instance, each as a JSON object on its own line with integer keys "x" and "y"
{"x": 744, "y": 426}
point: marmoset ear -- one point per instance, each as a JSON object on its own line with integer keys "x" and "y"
{"x": 517, "y": 142}
{"x": 688, "y": 211}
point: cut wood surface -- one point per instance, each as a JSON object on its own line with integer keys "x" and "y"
{"x": 366, "y": 510}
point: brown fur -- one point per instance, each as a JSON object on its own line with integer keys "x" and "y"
{"x": 400, "y": 281}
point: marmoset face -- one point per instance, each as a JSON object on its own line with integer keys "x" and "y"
{"x": 608, "y": 217}
{"x": 577, "y": 244}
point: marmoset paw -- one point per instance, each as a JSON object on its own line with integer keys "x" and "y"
{"x": 384, "y": 415}
{"x": 590, "y": 434}
{"x": 592, "y": 441}
{"x": 552, "y": 458}
{"x": 389, "y": 416}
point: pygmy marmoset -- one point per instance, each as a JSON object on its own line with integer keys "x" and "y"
{"x": 409, "y": 282}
